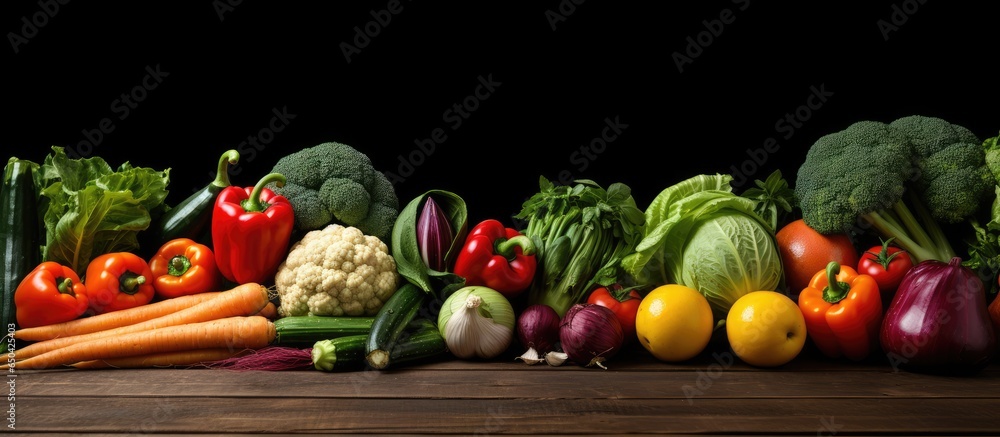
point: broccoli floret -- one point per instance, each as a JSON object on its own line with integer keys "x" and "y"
{"x": 952, "y": 167}
{"x": 335, "y": 183}
{"x": 903, "y": 179}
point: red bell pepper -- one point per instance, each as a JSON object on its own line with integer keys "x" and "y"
{"x": 843, "y": 312}
{"x": 497, "y": 257}
{"x": 251, "y": 231}
{"x": 117, "y": 281}
{"x": 51, "y": 293}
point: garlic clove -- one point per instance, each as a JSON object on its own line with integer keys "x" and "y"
{"x": 556, "y": 358}
{"x": 530, "y": 357}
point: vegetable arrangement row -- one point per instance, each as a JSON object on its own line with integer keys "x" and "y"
{"x": 344, "y": 276}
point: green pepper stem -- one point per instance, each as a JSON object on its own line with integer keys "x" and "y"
{"x": 835, "y": 291}
{"x": 129, "y": 282}
{"x": 179, "y": 265}
{"x": 253, "y": 204}
{"x": 505, "y": 247}
{"x": 65, "y": 286}
{"x": 231, "y": 157}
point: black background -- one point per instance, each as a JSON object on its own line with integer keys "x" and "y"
{"x": 228, "y": 67}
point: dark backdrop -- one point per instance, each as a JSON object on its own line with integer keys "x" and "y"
{"x": 641, "y": 93}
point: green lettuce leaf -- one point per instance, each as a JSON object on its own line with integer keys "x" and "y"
{"x": 90, "y": 208}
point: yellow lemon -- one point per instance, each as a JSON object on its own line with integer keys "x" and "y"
{"x": 766, "y": 328}
{"x": 674, "y": 322}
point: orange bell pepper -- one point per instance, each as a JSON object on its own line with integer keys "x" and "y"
{"x": 183, "y": 266}
{"x": 51, "y": 293}
{"x": 117, "y": 281}
{"x": 843, "y": 312}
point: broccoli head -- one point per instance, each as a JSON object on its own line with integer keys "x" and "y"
{"x": 902, "y": 179}
{"x": 849, "y": 173}
{"x": 335, "y": 183}
{"x": 953, "y": 175}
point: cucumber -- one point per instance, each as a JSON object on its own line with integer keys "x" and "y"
{"x": 191, "y": 217}
{"x": 424, "y": 341}
{"x": 421, "y": 339}
{"x": 391, "y": 320}
{"x": 307, "y": 330}
{"x": 20, "y": 230}
{"x": 342, "y": 353}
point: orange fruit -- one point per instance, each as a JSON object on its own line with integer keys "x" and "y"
{"x": 804, "y": 252}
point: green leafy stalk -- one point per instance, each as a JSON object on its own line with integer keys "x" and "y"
{"x": 581, "y": 233}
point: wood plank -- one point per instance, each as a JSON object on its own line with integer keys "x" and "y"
{"x": 508, "y": 416}
{"x": 544, "y": 383}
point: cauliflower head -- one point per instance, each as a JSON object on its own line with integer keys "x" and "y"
{"x": 336, "y": 271}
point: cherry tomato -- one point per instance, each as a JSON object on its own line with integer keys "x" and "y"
{"x": 623, "y": 302}
{"x": 887, "y": 264}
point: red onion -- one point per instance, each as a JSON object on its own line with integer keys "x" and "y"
{"x": 938, "y": 322}
{"x": 590, "y": 334}
{"x": 538, "y": 327}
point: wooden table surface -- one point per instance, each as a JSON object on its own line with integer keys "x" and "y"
{"x": 712, "y": 394}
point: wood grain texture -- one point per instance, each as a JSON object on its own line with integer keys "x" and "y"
{"x": 636, "y": 395}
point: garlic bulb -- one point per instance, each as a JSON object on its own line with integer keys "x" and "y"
{"x": 477, "y": 322}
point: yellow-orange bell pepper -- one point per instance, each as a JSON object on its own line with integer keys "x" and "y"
{"x": 843, "y": 312}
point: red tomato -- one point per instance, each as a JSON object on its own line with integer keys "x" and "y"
{"x": 624, "y": 303}
{"x": 887, "y": 264}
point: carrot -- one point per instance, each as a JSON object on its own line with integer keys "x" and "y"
{"x": 234, "y": 333}
{"x": 270, "y": 311}
{"x": 244, "y": 300}
{"x": 189, "y": 358}
{"x": 114, "y": 319}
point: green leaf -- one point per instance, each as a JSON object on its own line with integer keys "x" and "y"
{"x": 90, "y": 209}
{"x": 406, "y": 251}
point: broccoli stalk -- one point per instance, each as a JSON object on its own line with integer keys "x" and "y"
{"x": 919, "y": 234}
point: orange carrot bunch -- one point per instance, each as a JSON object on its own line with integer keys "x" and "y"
{"x": 180, "y": 331}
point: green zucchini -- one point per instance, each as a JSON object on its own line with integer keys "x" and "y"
{"x": 307, "y": 330}
{"x": 191, "y": 217}
{"x": 20, "y": 230}
{"x": 421, "y": 339}
{"x": 391, "y": 320}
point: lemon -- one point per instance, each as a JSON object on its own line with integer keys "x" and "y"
{"x": 674, "y": 322}
{"x": 766, "y": 328}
